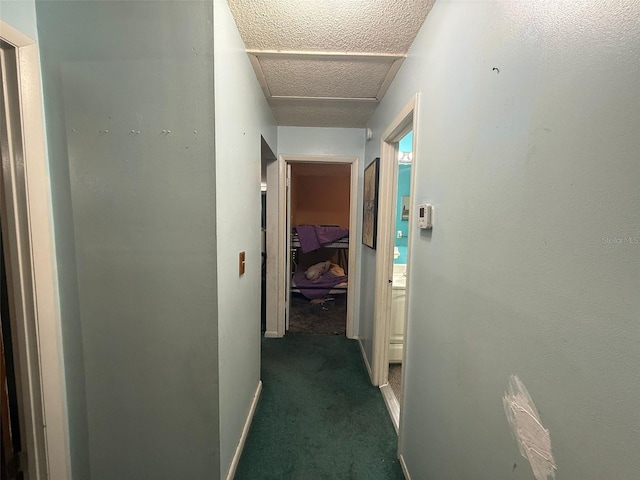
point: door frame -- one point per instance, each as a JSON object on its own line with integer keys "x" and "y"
{"x": 31, "y": 243}
{"x": 405, "y": 121}
{"x": 276, "y": 322}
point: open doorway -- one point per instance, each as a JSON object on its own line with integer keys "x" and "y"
{"x": 267, "y": 157}
{"x": 30, "y": 323}
{"x": 400, "y": 260}
{"x": 14, "y": 450}
{"x": 395, "y": 227}
{"x": 281, "y": 253}
{"x": 319, "y": 203}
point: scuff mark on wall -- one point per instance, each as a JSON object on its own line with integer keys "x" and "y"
{"x": 533, "y": 439}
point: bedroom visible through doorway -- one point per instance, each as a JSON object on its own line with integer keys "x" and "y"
{"x": 287, "y": 239}
{"x": 319, "y": 208}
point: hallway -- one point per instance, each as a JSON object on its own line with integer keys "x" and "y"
{"x": 149, "y": 119}
{"x": 318, "y": 417}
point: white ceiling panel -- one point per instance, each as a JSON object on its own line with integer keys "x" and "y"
{"x": 381, "y": 26}
{"x": 322, "y": 113}
{"x": 331, "y": 78}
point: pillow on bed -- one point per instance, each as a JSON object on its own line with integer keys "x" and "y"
{"x": 314, "y": 272}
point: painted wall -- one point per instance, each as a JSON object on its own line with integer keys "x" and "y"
{"x": 528, "y": 147}
{"x": 134, "y": 217}
{"x": 348, "y": 142}
{"x": 320, "y": 194}
{"x": 21, "y": 15}
{"x": 242, "y": 115}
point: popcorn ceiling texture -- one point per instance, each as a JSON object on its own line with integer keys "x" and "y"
{"x": 330, "y": 78}
{"x": 380, "y": 26}
{"x": 355, "y": 26}
{"x": 322, "y": 113}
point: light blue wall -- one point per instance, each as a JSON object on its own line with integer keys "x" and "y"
{"x": 21, "y": 15}
{"x": 528, "y": 148}
{"x": 242, "y": 116}
{"x": 347, "y": 142}
{"x": 134, "y": 218}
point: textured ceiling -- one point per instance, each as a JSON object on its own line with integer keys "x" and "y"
{"x": 376, "y": 26}
{"x": 337, "y": 78}
{"x": 327, "y": 62}
{"x": 322, "y": 112}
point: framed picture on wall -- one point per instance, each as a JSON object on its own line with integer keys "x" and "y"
{"x": 370, "y": 204}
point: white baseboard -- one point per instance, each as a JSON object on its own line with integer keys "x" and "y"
{"x": 271, "y": 334}
{"x": 366, "y": 361}
{"x": 405, "y": 470}
{"x": 245, "y": 433}
{"x": 392, "y": 404}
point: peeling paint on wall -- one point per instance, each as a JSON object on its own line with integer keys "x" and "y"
{"x": 533, "y": 439}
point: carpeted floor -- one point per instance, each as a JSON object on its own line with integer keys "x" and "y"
{"x": 318, "y": 417}
{"x": 395, "y": 380}
{"x": 328, "y": 318}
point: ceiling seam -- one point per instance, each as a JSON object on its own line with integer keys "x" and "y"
{"x": 335, "y": 99}
{"x": 327, "y": 55}
{"x": 391, "y": 74}
{"x": 262, "y": 80}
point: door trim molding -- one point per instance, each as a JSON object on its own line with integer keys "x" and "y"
{"x": 276, "y": 326}
{"x": 41, "y": 329}
{"x": 403, "y": 122}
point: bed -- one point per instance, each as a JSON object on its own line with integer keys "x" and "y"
{"x": 331, "y": 282}
{"x": 314, "y": 247}
{"x": 341, "y": 243}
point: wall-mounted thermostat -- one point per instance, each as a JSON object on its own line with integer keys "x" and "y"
{"x": 425, "y": 215}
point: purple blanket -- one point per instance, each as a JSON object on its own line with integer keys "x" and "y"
{"x": 317, "y": 288}
{"x": 312, "y": 237}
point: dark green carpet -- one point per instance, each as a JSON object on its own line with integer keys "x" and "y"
{"x": 329, "y": 318}
{"x": 319, "y": 417}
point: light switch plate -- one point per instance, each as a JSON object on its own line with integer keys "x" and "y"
{"x": 241, "y": 263}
